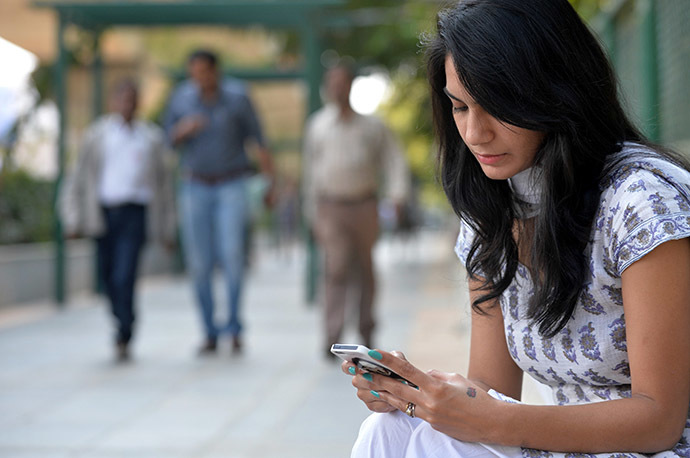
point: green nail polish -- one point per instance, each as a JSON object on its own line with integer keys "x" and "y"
{"x": 375, "y": 393}
{"x": 351, "y": 370}
{"x": 368, "y": 377}
{"x": 376, "y": 355}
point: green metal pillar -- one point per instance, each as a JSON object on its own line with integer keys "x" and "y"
{"x": 97, "y": 72}
{"x": 313, "y": 71}
{"x": 649, "y": 69}
{"x": 609, "y": 37}
{"x": 61, "y": 100}
{"x": 96, "y": 111}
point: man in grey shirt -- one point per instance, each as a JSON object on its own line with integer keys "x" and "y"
{"x": 211, "y": 120}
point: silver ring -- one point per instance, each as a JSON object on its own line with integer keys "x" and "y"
{"x": 410, "y": 409}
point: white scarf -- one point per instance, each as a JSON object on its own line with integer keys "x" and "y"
{"x": 527, "y": 192}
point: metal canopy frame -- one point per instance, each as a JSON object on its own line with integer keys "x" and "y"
{"x": 305, "y": 16}
{"x": 272, "y": 13}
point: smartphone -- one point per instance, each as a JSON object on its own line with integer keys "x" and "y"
{"x": 359, "y": 355}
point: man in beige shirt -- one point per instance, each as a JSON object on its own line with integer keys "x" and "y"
{"x": 345, "y": 156}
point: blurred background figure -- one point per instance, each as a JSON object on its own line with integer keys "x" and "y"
{"x": 120, "y": 188}
{"x": 345, "y": 156}
{"x": 211, "y": 120}
{"x": 287, "y": 216}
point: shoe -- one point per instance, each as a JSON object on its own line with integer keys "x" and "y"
{"x": 208, "y": 348}
{"x": 122, "y": 352}
{"x": 236, "y": 345}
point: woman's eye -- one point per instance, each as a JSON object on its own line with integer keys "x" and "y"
{"x": 459, "y": 109}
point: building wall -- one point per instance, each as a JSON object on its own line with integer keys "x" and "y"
{"x": 31, "y": 28}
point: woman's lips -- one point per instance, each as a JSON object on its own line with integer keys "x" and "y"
{"x": 489, "y": 159}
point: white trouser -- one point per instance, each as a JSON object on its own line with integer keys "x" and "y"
{"x": 395, "y": 435}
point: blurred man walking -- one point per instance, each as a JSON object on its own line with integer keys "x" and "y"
{"x": 211, "y": 120}
{"x": 120, "y": 190}
{"x": 345, "y": 156}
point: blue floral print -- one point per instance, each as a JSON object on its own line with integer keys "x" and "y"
{"x": 589, "y": 304}
{"x": 528, "y": 343}
{"x": 617, "y": 334}
{"x": 549, "y": 350}
{"x": 623, "y": 368}
{"x": 531, "y": 453}
{"x": 589, "y": 346}
{"x": 568, "y": 345}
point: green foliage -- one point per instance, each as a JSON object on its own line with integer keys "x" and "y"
{"x": 408, "y": 113}
{"x": 383, "y": 32}
{"x": 25, "y": 208}
{"x": 387, "y": 33}
{"x": 42, "y": 78}
{"x": 588, "y": 8}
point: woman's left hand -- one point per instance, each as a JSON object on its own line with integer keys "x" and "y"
{"x": 449, "y": 402}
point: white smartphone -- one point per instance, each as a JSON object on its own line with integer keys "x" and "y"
{"x": 359, "y": 355}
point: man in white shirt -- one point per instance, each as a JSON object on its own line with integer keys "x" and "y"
{"x": 345, "y": 156}
{"x": 120, "y": 190}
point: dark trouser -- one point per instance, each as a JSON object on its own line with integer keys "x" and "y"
{"x": 346, "y": 232}
{"x": 118, "y": 259}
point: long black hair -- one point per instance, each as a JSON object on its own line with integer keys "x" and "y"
{"x": 532, "y": 64}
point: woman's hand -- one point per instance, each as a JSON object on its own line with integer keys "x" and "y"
{"x": 360, "y": 380}
{"x": 449, "y": 402}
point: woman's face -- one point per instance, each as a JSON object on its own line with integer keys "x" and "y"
{"x": 502, "y": 150}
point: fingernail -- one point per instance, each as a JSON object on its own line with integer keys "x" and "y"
{"x": 405, "y": 382}
{"x": 351, "y": 370}
{"x": 375, "y": 393}
{"x": 368, "y": 377}
{"x": 376, "y": 355}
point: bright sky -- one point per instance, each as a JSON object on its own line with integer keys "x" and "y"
{"x": 15, "y": 92}
{"x": 368, "y": 92}
{"x": 17, "y": 64}
{"x": 35, "y": 147}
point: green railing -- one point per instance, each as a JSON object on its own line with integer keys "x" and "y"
{"x": 649, "y": 45}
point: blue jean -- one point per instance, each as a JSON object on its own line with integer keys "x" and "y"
{"x": 119, "y": 250}
{"x": 213, "y": 222}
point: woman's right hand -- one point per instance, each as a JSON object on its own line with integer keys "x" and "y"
{"x": 364, "y": 388}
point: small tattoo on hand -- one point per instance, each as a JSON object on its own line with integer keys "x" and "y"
{"x": 471, "y": 392}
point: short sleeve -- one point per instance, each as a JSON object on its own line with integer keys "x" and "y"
{"x": 463, "y": 244}
{"x": 644, "y": 208}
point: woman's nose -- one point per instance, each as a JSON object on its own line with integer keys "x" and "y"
{"x": 477, "y": 128}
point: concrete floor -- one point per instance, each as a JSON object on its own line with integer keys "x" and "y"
{"x": 62, "y": 394}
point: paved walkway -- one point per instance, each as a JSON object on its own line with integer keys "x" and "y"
{"x": 61, "y": 394}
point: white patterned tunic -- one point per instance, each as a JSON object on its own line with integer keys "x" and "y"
{"x": 645, "y": 201}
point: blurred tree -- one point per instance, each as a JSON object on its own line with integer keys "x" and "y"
{"x": 25, "y": 211}
{"x": 25, "y": 201}
{"x": 384, "y": 32}
{"x": 387, "y": 34}
{"x": 589, "y": 8}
